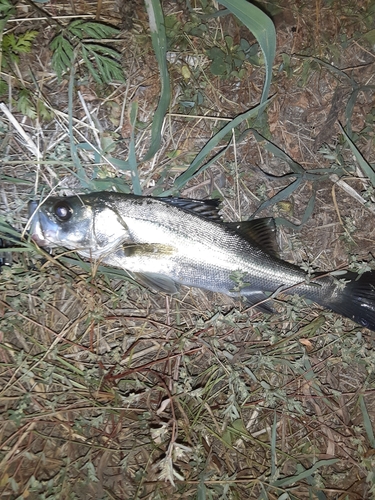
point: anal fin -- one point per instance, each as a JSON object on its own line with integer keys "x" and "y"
{"x": 259, "y": 300}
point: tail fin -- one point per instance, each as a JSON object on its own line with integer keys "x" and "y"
{"x": 357, "y": 299}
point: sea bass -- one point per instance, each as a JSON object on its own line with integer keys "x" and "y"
{"x": 166, "y": 242}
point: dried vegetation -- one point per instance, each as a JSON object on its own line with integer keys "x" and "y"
{"x": 110, "y": 391}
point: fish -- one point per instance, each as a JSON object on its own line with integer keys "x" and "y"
{"x": 165, "y": 242}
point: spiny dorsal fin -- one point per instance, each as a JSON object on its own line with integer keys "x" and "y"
{"x": 209, "y": 209}
{"x": 259, "y": 231}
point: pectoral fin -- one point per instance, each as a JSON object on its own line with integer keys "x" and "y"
{"x": 148, "y": 250}
{"x": 149, "y": 253}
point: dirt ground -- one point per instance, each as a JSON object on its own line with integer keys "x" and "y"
{"x": 111, "y": 391}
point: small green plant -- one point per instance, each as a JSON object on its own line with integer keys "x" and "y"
{"x": 178, "y": 33}
{"x": 228, "y": 61}
{"x": 32, "y": 106}
{"x": 239, "y": 281}
{"x": 11, "y": 45}
{"x": 6, "y": 11}
{"x": 14, "y": 45}
{"x": 81, "y": 39}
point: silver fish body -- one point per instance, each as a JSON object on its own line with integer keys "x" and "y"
{"x": 166, "y": 242}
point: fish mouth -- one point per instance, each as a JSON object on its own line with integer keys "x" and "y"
{"x": 36, "y": 232}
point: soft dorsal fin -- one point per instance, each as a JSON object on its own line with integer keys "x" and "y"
{"x": 259, "y": 231}
{"x": 209, "y": 209}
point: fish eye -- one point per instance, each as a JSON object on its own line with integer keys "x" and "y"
{"x": 62, "y": 210}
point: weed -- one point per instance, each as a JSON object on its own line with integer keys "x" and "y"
{"x": 78, "y": 40}
{"x": 228, "y": 61}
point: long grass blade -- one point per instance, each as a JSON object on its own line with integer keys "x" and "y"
{"x": 81, "y": 174}
{"x": 367, "y": 422}
{"x": 159, "y": 43}
{"x": 281, "y": 195}
{"x": 279, "y": 153}
{"x": 305, "y": 474}
{"x": 195, "y": 166}
{"x": 132, "y": 158}
{"x": 363, "y": 164}
{"x": 273, "y": 446}
{"x": 262, "y": 27}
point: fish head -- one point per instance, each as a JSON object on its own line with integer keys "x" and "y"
{"x": 84, "y": 223}
{"x": 60, "y": 221}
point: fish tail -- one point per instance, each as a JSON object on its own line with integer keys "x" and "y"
{"x": 357, "y": 299}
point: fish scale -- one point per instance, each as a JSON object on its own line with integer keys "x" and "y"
{"x": 220, "y": 251}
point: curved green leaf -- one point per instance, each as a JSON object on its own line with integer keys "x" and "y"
{"x": 366, "y": 168}
{"x": 262, "y": 28}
